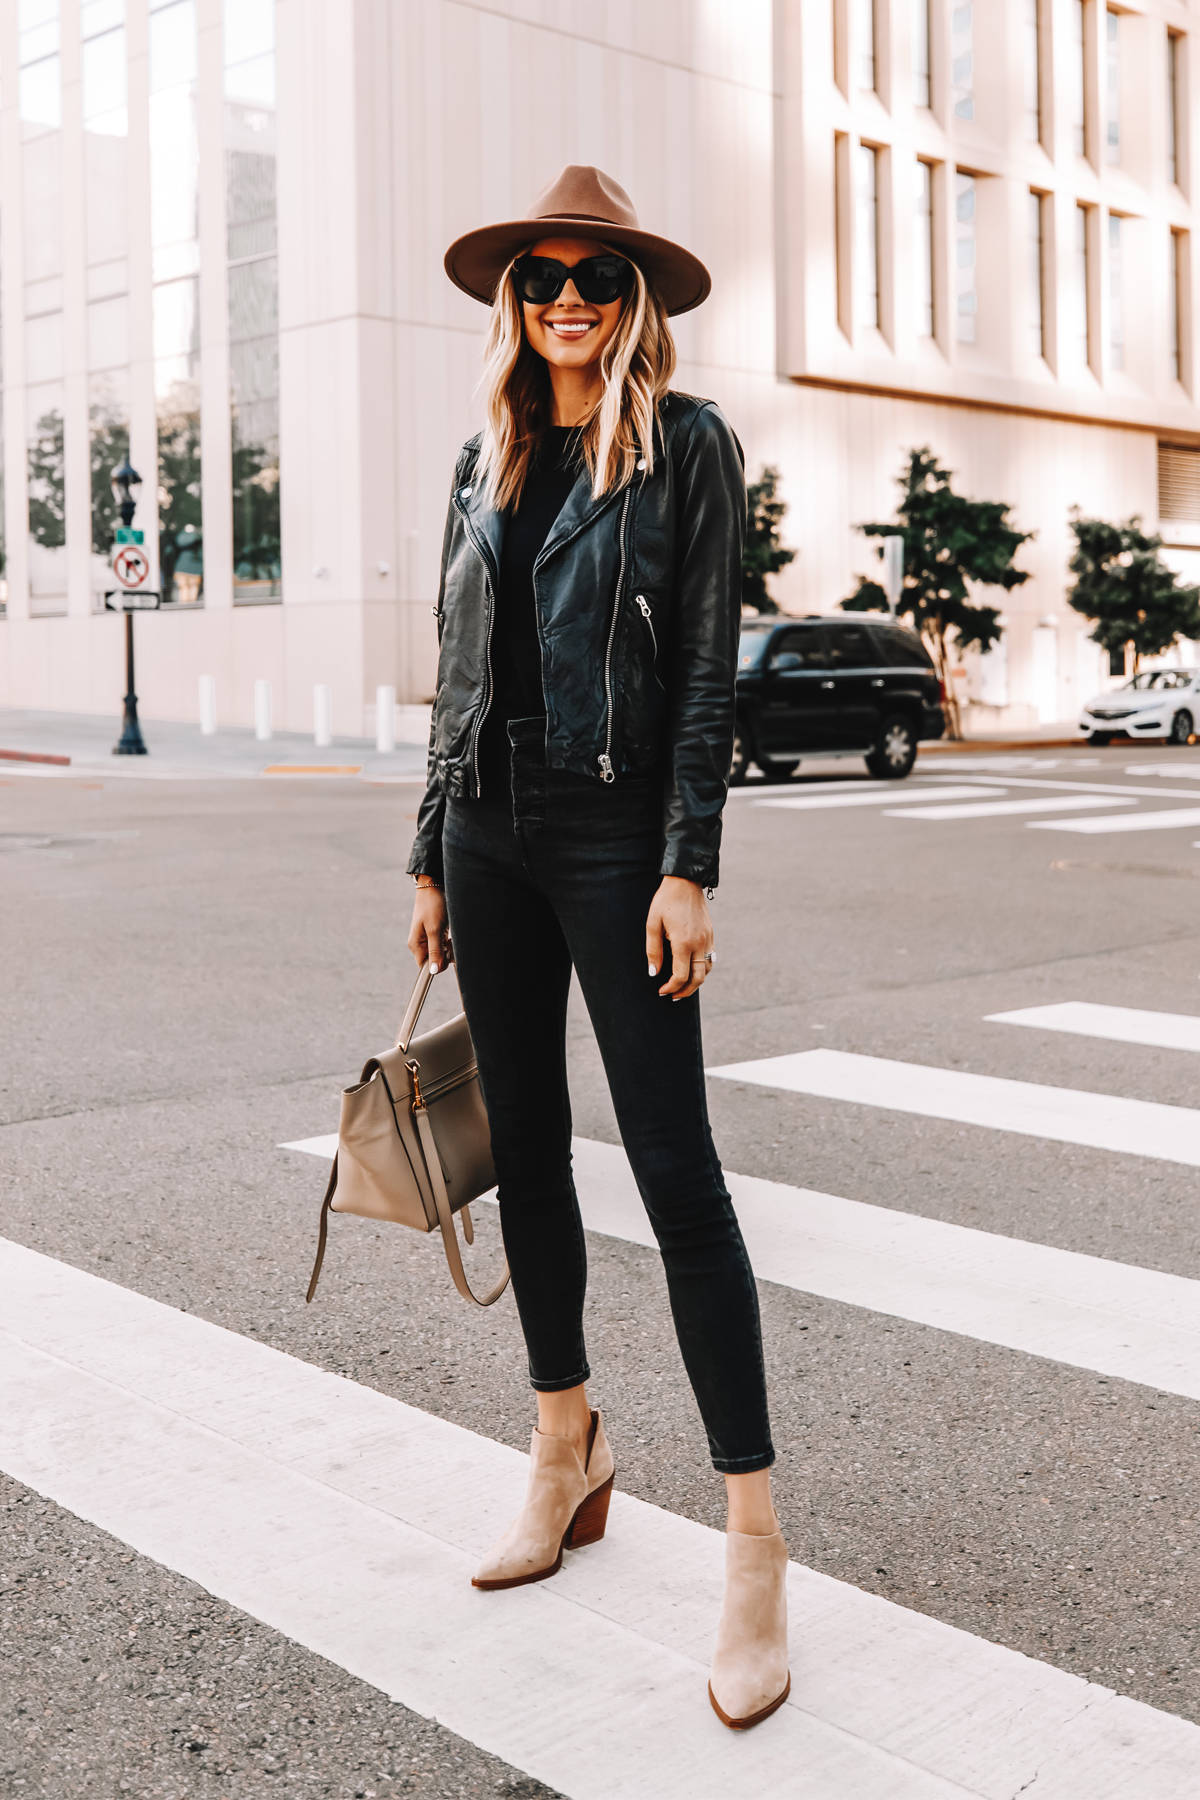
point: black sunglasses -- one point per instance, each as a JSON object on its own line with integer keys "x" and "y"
{"x": 598, "y": 279}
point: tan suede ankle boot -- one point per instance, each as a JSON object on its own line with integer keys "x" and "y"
{"x": 566, "y": 1507}
{"x": 750, "y": 1678}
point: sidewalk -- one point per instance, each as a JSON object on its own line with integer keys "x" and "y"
{"x": 180, "y": 751}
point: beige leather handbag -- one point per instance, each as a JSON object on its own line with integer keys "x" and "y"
{"x": 413, "y": 1141}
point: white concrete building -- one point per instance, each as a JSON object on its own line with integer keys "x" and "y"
{"x": 221, "y": 232}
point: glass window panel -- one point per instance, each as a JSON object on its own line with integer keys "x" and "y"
{"x": 1080, "y": 294}
{"x": 44, "y": 348}
{"x": 1173, "y": 301}
{"x": 32, "y": 13}
{"x": 176, "y": 331}
{"x": 174, "y": 168}
{"x": 104, "y": 85}
{"x": 965, "y": 259}
{"x": 1077, "y": 73}
{"x": 1033, "y": 73}
{"x": 104, "y": 163}
{"x": 863, "y": 27}
{"x": 1037, "y": 273}
{"x": 1172, "y": 106}
{"x": 920, "y": 52}
{"x": 1116, "y": 311}
{"x": 962, "y": 52}
{"x": 45, "y": 469}
{"x": 100, "y": 15}
{"x": 39, "y": 94}
{"x": 43, "y": 296}
{"x": 250, "y": 201}
{"x": 1112, "y": 108}
{"x": 108, "y": 438}
{"x": 174, "y": 56}
{"x": 866, "y": 166}
{"x": 252, "y": 82}
{"x": 249, "y": 30}
{"x": 42, "y": 184}
{"x": 108, "y": 333}
{"x": 923, "y": 250}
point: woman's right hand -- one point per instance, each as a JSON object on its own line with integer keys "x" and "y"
{"x": 429, "y": 939}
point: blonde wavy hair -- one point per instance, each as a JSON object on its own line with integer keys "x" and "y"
{"x": 636, "y": 367}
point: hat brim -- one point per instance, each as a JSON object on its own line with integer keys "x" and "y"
{"x": 476, "y": 261}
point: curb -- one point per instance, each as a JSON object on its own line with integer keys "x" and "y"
{"x": 950, "y": 745}
{"x": 33, "y": 756}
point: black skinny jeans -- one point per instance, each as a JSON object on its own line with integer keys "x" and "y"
{"x": 559, "y": 875}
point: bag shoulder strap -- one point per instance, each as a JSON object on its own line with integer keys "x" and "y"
{"x": 322, "y": 1232}
{"x": 441, "y": 1200}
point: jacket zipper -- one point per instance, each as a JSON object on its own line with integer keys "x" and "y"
{"x": 482, "y": 551}
{"x": 643, "y": 606}
{"x": 605, "y": 760}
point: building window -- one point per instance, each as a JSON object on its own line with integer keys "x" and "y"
{"x": 253, "y": 297}
{"x": 866, "y": 214}
{"x": 1080, "y": 286}
{"x": 920, "y": 52}
{"x": 1037, "y": 275}
{"x": 923, "y": 250}
{"x": 962, "y": 52}
{"x": 1033, "y": 72}
{"x": 1178, "y": 483}
{"x": 1173, "y": 106}
{"x": 864, "y": 43}
{"x": 39, "y": 93}
{"x": 1078, "y": 80}
{"x": 1175, "y": 307}
{"x": 1112, "y": 89}
{"x": 175, "y": 265}
{"x": 1116, "y": 318}
{"x": 105, "y": 150}
{"x": 965, "y": 259}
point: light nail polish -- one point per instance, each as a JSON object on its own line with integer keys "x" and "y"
{"x": 652, "y": 969}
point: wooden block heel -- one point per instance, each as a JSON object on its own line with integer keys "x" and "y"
{"x": 587, "y": 1527}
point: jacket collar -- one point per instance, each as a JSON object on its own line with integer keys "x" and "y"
{"x": 579, "y": 509}
{"x": 486, "y": 525}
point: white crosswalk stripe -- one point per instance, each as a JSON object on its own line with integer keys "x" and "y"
{"x": 854, "y": 795}
{"x": 350, "y": 1522}
{"x": 1175, "y": 820}
{"x": 998, "y": 809}
{"x": 1064, "y": 1115}
{"x": 1121, "y": 1024}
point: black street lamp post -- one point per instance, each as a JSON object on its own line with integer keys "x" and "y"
{"x": 125, "y": 483}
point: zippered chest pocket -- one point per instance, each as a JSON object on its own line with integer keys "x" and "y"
{"x": 643, "y": 606}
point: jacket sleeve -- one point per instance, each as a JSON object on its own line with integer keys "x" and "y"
{"x": 426, "y": 854}
{"x": 711, "y": 529}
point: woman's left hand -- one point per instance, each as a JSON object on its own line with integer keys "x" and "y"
{"x": 679, "y": 913}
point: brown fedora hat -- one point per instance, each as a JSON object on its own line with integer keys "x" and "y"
{"x": 582, "y": 202}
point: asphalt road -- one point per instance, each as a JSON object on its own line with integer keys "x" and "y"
{"x": 194, "y": 968}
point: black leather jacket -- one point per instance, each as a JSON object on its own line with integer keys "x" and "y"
{"x": 638, "y": 600}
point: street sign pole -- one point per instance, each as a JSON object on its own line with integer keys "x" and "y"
{"x": 893, "y": 570}
{"x": 130, "y": 741}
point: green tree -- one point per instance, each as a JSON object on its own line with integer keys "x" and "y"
{"x": 949, "y": 542}
{"x": 179, "y": 520}
{"x": 47, "y": 485}
{"x": 763, "y": 554}
{"x": 1123, "y": 585}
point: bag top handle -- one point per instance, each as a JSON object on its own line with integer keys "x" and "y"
{"x": 412, "y": 1013}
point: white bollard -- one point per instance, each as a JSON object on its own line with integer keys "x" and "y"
{"x": 262, "y": 710}
{"x": 385, "y": 718}
{"x": 208, "y": 706}
{"x": 322, "y": 716}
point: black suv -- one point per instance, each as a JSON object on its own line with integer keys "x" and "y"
{"x": 864, "y": 685}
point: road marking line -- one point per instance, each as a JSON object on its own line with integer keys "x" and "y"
{"x": 1135, "y": 1324}
{"x": 1185, "y": 771}
{"x": 350, "y": 1522}
{"x": 992, "y": 809}
{"x": 883, "y": 796}
{"x": 1121, "y": 1024}
{"x": 1064, "y": 1115}
{"x": 1143, "y": 821}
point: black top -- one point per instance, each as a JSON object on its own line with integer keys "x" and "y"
{"x": 516, "y": 651}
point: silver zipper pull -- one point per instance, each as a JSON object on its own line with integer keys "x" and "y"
{"x": 643, "y": 605}
{"x": 606, "y": 768}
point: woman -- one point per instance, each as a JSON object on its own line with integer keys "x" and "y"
{"x": 579, "y": 758}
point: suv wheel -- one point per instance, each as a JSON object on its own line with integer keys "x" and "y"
{"x": 742, "y": 758}
{"x": 1181, "y": 728}
{"x": 895, "y": 749}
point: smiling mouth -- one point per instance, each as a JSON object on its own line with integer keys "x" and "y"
{"x": 571, "y": 328}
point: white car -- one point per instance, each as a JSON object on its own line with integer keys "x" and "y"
{"x": 1158, "y": 703}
